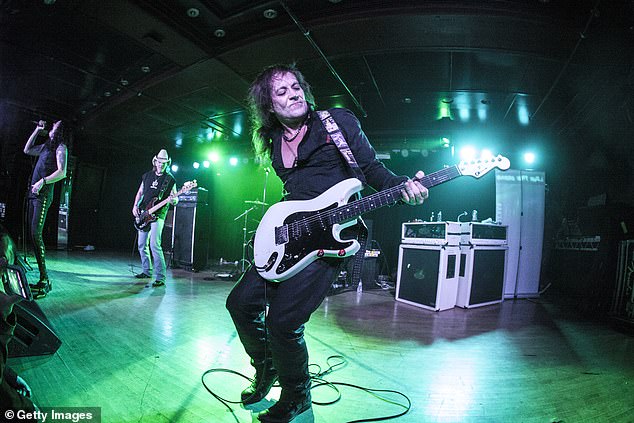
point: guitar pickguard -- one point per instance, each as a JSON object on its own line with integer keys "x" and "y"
{"x": 307, "y": 234}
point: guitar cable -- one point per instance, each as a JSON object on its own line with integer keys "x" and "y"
{"x": 318, "y": 380}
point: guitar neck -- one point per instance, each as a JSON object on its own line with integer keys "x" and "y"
{"x": 164, "y": 201}
{"x": 388, "y": 197}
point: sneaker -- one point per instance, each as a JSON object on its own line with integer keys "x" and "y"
{"x": 158, "y": 283}
{"x": 142, "y": 275}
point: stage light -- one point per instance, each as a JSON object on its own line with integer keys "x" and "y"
{"x": 486, "y": 154}
{"x": 522, "y": 115}
{"x": 174, "y": 168}
{"x": 464, "y": 114}
{"x": 444, "y": 141}
{"x": 529, "y": 157}
{"x": 196, "y": 165}
{"x": 206, "y": 163}
{"x": 213, "y": 156}
{"x": 233, "y": 161}
{"x": 467, "y": 153}
{"x": 178, "y": 143}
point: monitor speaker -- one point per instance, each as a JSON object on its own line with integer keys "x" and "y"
{"x": 33, "y": 334}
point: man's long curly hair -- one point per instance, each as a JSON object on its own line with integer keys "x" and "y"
{"x": 263, "y": 121}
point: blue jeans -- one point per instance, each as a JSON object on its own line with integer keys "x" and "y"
{"x": 151, "y": 240}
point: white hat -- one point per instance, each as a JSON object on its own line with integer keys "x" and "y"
{"x": 163, "y": 157}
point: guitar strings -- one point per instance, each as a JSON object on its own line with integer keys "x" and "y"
{"x": 428, "y": 181}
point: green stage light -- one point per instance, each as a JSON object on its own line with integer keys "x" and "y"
{"x": 233, "y": 161}
{"x": 174, "y": 167}
{"x": 213, "y": 156}
{"x": 206, "y": 163}
{"x": 529, "y": 157}
{"x": 196, "y": 165}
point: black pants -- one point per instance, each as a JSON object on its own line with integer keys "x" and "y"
{"x": 38, "y": 207}
{"x": 290, "y": 305}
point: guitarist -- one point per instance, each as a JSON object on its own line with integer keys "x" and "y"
{"x": 286, "y": 129}
{"x": 156, "y": 185}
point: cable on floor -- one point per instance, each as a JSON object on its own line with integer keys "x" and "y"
{"x": 318, "y": 379}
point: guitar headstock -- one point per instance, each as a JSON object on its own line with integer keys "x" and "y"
{"x": 189, "y": 185}
{"x": 479, "y": 167}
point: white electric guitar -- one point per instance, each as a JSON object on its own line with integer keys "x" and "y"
{"x": 293, "y": 234}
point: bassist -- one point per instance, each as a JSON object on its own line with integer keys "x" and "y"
{"x": 156, "y": 185}
{"x": 287, "y": 130}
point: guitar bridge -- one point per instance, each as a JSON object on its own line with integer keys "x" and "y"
{"x": 281, "y": 235}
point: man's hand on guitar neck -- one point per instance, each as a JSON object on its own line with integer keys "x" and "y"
{"x": 414, "y": 193}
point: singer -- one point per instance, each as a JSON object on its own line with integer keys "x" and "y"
{"x": 50, "y": 167}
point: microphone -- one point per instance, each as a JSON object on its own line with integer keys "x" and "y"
{"x": 41, "y": 123}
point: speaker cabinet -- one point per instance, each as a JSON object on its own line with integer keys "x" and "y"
{"x": 481, "y": 276}
{"x": 191, "y": 231}
{"x": 33, "y": 334}
{"x": 428, "y": 276}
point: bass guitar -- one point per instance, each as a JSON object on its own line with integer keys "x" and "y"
{"x": 293, "y": 234}
{"x": 146, "y": 217}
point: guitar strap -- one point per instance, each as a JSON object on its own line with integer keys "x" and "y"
{"x": 340, "y": 141}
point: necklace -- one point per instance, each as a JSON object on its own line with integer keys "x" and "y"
{"x": 292, "y": 138}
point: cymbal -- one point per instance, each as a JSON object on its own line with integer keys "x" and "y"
{"x": 256, "y": 202}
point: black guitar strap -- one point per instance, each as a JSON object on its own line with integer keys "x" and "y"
{"x": 340, "y": 141}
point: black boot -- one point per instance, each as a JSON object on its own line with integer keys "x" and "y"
{"x": 292, "y": 403}
{"x": 265, "y": 378}
{"x": 295, "y": 382}
{"x": 40, "y": 289}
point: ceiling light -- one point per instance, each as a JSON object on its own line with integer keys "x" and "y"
{"x": 270, "y": 13}
{"x": 145, "y": 69}
{"x": 192, "y": 12}
{"x": 219, "y": 33}
{"x": 123, "y": 82}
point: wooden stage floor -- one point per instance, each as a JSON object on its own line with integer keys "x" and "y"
{"x": 140, "y": 353}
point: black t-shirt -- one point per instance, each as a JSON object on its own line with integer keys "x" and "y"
{"x": 156, "y": 187}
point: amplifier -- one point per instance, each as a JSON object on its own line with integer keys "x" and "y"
{"x": 431, "y": 233}
{"x": 195, "y": 195}
{"x": 475, "y": 233}
{"x": 428, "y": 276}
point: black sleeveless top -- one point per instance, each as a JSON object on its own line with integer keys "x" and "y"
{"x": 158, "y": 187}
{"x": 46, "y": 164}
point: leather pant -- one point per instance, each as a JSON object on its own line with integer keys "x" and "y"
{"x": 38, "y": 208}
{"x": 280, "y": 336}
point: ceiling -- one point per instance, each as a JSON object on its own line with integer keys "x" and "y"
{"x": 147, "y": 74}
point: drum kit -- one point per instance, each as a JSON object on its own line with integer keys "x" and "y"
{"x": 245, "y": 214}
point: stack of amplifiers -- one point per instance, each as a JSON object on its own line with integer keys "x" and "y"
{"x": 428, "y": 262}
{"x": 483, "y": 256}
